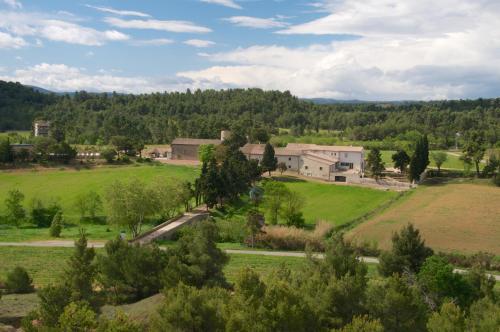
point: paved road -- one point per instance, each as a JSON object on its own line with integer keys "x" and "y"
{"x": 97, "y": 244}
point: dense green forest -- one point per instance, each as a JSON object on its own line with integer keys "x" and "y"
{"x": 20, "y": 104}
{"x": 160, "y": 117}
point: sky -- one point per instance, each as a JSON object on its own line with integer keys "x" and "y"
{"x": 342, "y": 49}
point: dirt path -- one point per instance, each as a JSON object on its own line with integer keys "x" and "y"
{"x": 70, "y": 244}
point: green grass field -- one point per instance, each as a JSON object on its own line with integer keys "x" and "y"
{"x": 66, "y": 185}
{"x": 46, "y": 264}
{"x": 336, "y": 203}
{"x": 453, "y": 161}
{"x": 70, "y": 232}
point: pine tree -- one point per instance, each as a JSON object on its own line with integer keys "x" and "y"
{"x": 269, "y": 162}
{"x": 56, "y": 225}
{"x": 81, "y": 271}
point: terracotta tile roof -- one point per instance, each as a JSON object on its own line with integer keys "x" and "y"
{"x": 320, "y": 158}
{"x": 315, "y": 147}
{"x": 195, "y": 141}
{"x": 258, "y": 149}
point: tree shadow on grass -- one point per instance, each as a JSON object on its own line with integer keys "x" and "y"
{"x": 285, "y": 178}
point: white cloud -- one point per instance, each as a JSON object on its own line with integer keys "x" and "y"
{"x": 118, "y": 12}
{"x": 14, "y": 4}
{"x": 60, "y": 77}
{"x": 199, "y": 43}
{"x": 170, "y": 26}
{"x": 8, "y": 41}
{"x": 256, "y": 22}
{"x": 404, "y": 50}
{"x": 227, "y": 3}
{"x": 152, "y": 42}
{"x": 42, "y": 26}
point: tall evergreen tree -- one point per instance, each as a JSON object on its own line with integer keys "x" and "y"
{"x": 212, "y": 184}
{"x": 81, "y": 271}
{"x": 269, "y": 161}
{"x": 420, "y": 159}
{"x": 375, "y": 164}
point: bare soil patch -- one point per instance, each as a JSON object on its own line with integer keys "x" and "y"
{"x": 451, "y": 217}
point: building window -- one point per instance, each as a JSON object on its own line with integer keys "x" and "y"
{"x": 346, "y": 155}
{"x": 289, "y": 166}
{"x": 290, "y": 158}
{"x": 321, "y": 168}
{"x": 306, "y": 167}
{"x": 347, "y": 165}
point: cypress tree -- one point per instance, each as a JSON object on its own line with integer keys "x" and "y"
{"x": 269, "y": 162}
{"x": 420, "y": 159}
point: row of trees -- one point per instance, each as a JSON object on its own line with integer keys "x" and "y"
{"x": 44, "y": 149}
{"x": 226, "y": 173}
{"x": 416, "y": 291}
{"x": 87, "y": 118}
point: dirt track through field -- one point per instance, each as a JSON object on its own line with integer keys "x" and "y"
{"x": 452, "y": 217}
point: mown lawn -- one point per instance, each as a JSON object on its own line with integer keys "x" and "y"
{"x": 337, "y": 204}
{"x": 453, "y": 161}
{"x": 66, "y": 184}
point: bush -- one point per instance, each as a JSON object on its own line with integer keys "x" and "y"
{"x": 19, "y": 281}
{"x": 41, "y": 215}
{"x": 77, "y": 317}
{"x": 484, "y": 260}
{"x": 109, "y": 155}
{"x": 292, "y": 238}
{"x": 120, "y": 323}
{"x": 57, "y": 224}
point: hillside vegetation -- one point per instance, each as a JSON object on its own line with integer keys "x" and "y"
{"x": 158, "y": 118}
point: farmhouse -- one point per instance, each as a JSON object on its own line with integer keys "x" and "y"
{"x": 330, "y": 163}
{"x": 187, "y": 148}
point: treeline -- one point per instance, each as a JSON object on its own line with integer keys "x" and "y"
{"x": 160, "y": 117}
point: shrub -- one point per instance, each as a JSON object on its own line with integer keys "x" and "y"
{"x": 57, "y": 224}
{"x": 120, "y": 323}
{"x": 77, "y": 317}
{"x": 292, "y": 238}
{"x": 109, "y": 155}
{"x": 484, "y": 260}
{"x": 19, "y": 282}
{"x": 53, "y": 300}
{"x": 41, "y": 215}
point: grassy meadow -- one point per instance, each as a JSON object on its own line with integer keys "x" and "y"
{"x": 332, "y": 203}
{"x": 65, "y": 185}
{"x": 457, "y": 216}
{"x": 337, "y": 204}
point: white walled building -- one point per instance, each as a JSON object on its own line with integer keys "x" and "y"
{"x": 330, "y": 163}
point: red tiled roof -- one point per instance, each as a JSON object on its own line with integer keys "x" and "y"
{"x": 195, "y": 141}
